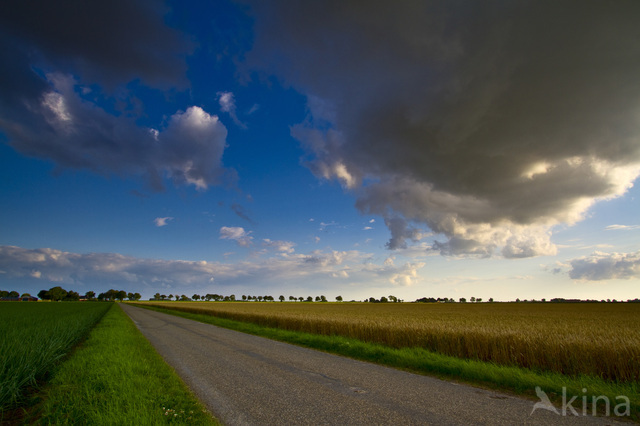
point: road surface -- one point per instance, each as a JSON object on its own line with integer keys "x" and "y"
{"x": 250, "y": 380}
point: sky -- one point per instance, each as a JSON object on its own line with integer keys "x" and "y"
{"x": 363, "y": 149}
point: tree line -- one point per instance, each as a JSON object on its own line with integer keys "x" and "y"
{"x": 58, "y": 294}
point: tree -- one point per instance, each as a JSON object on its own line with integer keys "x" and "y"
{"x": 317, "y": 298}
{"x": 170, "y": 296}
{"x": 383, "y": 299}
{"x": 463, "y": 300}
{"x": 473, "y": 299}
{"x": 479, "y": 299}
{"x": 244, "y": 297}
{"x": 72, "y": 296}
{"x": 184, "y": 298}
{"x": 281, "y": 298}
{"x": 121, "y": 295}
{"x": 491, "y": 300}
{"x": 339, "y": 298}
{"x": 309, "y": 299}
{"x": 90, "y": 295}
{"x": 156, "y": 296}
{"x": 323, "y": 298}
{"x": 196, "y": 297}
{"x": 57, "y": 293}
{"x": 163, "y": 296}
{"x": 43, "y": 294}
{"x": 292, "y": 298}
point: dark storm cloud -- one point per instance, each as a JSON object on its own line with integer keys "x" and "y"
{"x": 489, "y": 122}
{"x": 55, "y": 54}
{"x": 111, "y": 41}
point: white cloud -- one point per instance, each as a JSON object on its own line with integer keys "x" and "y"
{"x": 227, "y": 103}
{"x": 280, "y": 246}
{"x": 621, "y": 227}
{"x": 238, "y": 234}
{"x": 162, "y": 221}
{"x": 606, "y": 266}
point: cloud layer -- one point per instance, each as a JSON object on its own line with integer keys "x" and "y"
{"x": 487, "y": 122}
{"x": 45, "y": 266}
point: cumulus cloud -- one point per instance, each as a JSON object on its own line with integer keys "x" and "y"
{"x": 606, "y": 266}
{"x": 57, "y": 65}
{"x": 162, "y": 221}
{"x": 78, "y": 134}
{"x": 489, "y": 123}
{"x": 238, "y": 234}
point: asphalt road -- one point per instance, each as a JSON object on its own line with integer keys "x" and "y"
{"x": 249, "y": 380}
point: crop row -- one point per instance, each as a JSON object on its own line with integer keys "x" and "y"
{"x": 34, "y": 337}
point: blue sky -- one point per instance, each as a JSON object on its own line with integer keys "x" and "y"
{"x": 305, "y": 148}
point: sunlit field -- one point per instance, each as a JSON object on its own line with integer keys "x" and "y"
{"x": 37, "y": 335}
{"x": 599, "y": 339}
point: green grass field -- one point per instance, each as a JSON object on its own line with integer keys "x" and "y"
{"x": 117, "y": 377}
{"x": 35, "y": 336}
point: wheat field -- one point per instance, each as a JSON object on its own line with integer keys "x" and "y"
{"x": 599, "y": 339}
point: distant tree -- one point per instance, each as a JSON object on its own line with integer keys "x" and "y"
{"x": 281, "y": 298}
{"x": 491, "y": 299}
{"x": 463, "y": 300}
{"x": 57, "y": 293}
{"x": 292, "y": 299}
{"x": 339, "y": 298}
{"x": 196, "y": 297}
{"x": 479, "y": 299}
{"x": 43, "y": 294}
{"x": 317, "y": 298}
{"x": 72, "y": 296}
{"x": 372, "y": 300}
{"x": 309, "y": 299}
{"x": 184, "y": 298}
{"x": 473, "y": 299}
{"x": 121, "y": 295}
{"x": 156, "y": 296}
{"x": 244, "y": 297}
{"x": 383, "y": 299}
{"x": 90, "y": 295}
{"x": 170, "y": 296}
{"x": 323, "y": 298}
{"x": 163, "y": 296}
{"x": 5, "y": 293}
{"x": 14, "y": 294}
{"x": 260, "y": 298}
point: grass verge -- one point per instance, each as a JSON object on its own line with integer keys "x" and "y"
{"x": 117, "y": 377}
{"x": 516, "y": 380}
